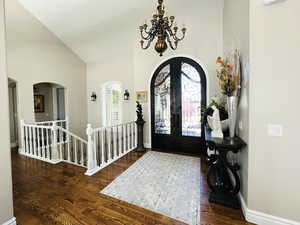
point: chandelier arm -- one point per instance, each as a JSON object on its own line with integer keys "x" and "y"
{"x": 171, "y": 25}
{"x": 180, "y": 39}
{"x": 170, "y": 42}
{"x": 171, "y": 32}
{"x": 148, "y": 44}
{"x": 149, "y": 31}
{"x": 148, "y": 37}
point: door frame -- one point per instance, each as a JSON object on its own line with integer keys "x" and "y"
{"x": 17, "y": 128}
{"x": 204, "y": 88}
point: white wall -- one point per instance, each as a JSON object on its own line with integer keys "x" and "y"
{"x": 116, "y": 65}
{"x": 236, "y": 36}
{"x": 6, "y": 201}
{"x": 35, "y": 55}
{"x": 124, "y": 60}
{"x": 274, "y": 86}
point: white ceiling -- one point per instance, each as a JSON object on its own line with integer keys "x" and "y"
{"x": 80, "y": 24}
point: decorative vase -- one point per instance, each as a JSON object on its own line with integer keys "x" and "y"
{"x": 232, "y": 114}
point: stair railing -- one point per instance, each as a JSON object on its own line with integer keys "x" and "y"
{"x": 61, "y": 123}
{"x": 55, "y": 144}
{"x": 108, "y": 144}
{"x": 52, "y": 144}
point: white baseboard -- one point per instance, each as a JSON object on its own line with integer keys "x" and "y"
{"x": 260, "y": 218}
{"x": 12, "y": 221}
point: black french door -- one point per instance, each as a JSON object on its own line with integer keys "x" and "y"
{"x": 178, "y": 91}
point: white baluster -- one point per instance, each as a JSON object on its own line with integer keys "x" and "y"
{"x": 114, "y": 143}
{"x": 69, "y": 148}
{"x": 95, "y": 144}
{"x": 135, "y": 135}
{"x": 43, "y": 150}
{"x": 75, "y": 150}
{"x": 108, "y": 145}
{"x": 117, "y": 141}
{"x": 128, "y": 137}
{"x": 131, "y": 135}
{"x": 30, "y": 141}
{"x": 61, "y": 145}
{"x": 81, "y": 151}
{"x": 124, "y": 138}
{"x": 34, "y": 142}
{"x": 48, "y": 143}
{"x": 92, "y": 164}
{"x": 22, "y": 148}
{"x": 38, "y": 142}
{"x": 102, "y": 148}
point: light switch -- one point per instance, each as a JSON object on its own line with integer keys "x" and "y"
{"x": 275, "y": 130}
{"x": 269, "y": 2}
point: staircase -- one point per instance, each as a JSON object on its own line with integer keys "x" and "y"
{"x": 52, "y": 142}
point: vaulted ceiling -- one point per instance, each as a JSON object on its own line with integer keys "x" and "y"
{"x": 82, "y": 24}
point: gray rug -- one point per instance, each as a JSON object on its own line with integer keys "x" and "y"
{"x": 168, "y": 184}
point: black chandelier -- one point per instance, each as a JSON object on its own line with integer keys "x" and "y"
{"x": 164, "y": 28}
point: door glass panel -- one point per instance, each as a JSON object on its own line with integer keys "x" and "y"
{"x": 191, "y": 101}
{"x": 163, "y": 102}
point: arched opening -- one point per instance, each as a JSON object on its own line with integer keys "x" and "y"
{"x": 178, "y": 91}
{"x": 112, "y": 103}
{"x": 49, "y": 102}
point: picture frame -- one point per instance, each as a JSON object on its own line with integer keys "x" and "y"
{"x": 142, "y": 96}
{"x": 39, "y": 103}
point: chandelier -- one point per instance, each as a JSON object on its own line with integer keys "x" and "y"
{"x": 163, "y": 28}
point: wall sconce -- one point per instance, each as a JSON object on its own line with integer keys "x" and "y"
{"x": 93, "y": 97}
{"x": 126, "y": 95}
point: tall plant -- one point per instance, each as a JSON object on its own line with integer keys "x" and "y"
{"x": 228, "y": 80}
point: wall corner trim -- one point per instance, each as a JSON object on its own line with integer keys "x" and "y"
{"x": 12, "y": 221}
{"x": 260, "y": 218}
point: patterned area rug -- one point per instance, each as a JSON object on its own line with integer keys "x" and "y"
{"x": 168, "y": 184}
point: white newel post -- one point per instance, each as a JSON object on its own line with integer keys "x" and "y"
{"x": 22, "y": 146}
{"x": 55, "y": 154}
{"x": 92, "y": 164}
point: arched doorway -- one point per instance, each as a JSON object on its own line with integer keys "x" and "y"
{"x": 13, "y": 113}
{"x": 178, "y": 91}
{"x": 49, "y": 102}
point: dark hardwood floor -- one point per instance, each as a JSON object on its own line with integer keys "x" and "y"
{"x": 46, "y": 194}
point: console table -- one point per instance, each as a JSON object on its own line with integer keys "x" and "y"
{"x": 221, "y": 173}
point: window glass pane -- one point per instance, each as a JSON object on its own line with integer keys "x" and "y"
{"x": 163, "y": 102}
{"x": 113, "y": 104}
{"x": 191, "y": 101}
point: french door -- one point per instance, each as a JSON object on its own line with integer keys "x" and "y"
{"x": 178, "y": 91}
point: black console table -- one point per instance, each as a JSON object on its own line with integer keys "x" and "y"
{"x": 221, "y": 172}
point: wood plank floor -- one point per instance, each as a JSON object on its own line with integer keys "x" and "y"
{"x": 46, "y": 194}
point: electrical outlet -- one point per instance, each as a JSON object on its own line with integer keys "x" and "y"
{"x": 275, "y": 130}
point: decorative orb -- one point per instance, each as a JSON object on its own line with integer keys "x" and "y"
{"x": 161, "y": 46}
